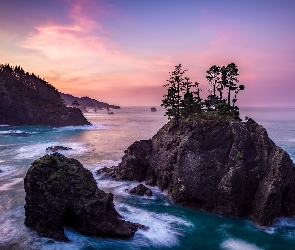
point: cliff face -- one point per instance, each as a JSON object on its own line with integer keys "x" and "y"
{"x": 61, "y": 192}
{"x": 229, "y": 168}
{"x": 25, "y": 99}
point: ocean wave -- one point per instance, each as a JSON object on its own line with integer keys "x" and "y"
{"x": 284, "y": 226}
{"x": 4, "y": 125}
{"x": 164, "y": 229}
{"x": 236, "y": 244}
{"x": 32, "y": 151}
{"x": 5, "y": 132}
{"x": 84, "y": 127}
{"x": 5, "y": 170}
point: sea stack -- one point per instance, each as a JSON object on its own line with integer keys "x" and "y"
{"x": 61, "y": 192}
{"x": 230, "y": 168}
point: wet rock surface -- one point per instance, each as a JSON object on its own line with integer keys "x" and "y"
{"x": 61, "y": 192}
{"x": 229, "y": 168}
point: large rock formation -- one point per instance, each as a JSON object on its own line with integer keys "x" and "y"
{"x": 26, "y": 99}
{"x": 226, "y": 167}
{"x": 61, "y": 192}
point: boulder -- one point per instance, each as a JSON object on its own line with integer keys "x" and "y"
{"x": 61, "y": 192}
{"x": 226, "y": 167}
{"x": 141, "y": 190}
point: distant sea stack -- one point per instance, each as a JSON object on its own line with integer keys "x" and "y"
{"x": 230, "y": 168}
{"x": 26, "y": 99}
{"x": 87, "y": 102}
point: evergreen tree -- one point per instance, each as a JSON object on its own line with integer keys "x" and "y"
{"x": 75, "y": 104}
{"x": 172, "y": 100}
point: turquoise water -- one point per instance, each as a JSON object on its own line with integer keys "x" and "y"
{"x": 102, "y": 144}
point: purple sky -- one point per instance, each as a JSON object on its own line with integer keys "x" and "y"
{"x": 120, "y": 51}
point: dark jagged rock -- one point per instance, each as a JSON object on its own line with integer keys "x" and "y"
{"x": 56, "y": 148}
{"x": 135, "y": 162}
{"x": 61, "y": 192}
{"x": 141, "y": 190}
{"x": 26, "y": 99}
{"x": 229, "y": 168}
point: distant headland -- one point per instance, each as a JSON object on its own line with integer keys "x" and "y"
{"x": 87, "y": 102}
{"x": 26, "y": 99}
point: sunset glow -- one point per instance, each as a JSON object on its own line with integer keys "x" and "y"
{"x": 121, "y": 52}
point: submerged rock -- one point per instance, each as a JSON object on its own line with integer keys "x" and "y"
{"x": 229, "y": 168}
{"x": 61, "y": 192}
{"x": 141, "y": 190}
{"x": 56, "y": 148}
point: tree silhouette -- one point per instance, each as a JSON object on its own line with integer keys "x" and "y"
{"x": 213, "y": 76}
{"x": 229, "y": 78}
{"x": 183, "y": 97}
{"x": 172, "y": 100}
{"x": 75, "y": 104}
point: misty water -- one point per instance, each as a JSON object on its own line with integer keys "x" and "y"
{"x": 171, "y": 226}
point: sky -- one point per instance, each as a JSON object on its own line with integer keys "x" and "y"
{"x": 121, "y": 51}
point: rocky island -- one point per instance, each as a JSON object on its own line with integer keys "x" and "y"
{"x": 61, "y": 192}
{"x": 26, "y": 99}
{"x": 206, "y": 157}
{"x": 229, "y": 168}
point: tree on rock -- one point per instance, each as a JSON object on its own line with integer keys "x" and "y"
{"x": 183, "y": 97}
{"x": 172, "y": 100}
{"x": 75, "y": 104}
{"x": 213, "y": 76}
{"x": 191, "y": 101}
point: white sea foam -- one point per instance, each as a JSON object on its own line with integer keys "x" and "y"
{"x": 11, "y": 132}
{"x": 7, "y": 132}
{"x": 4, "y": 125}
{"x": 237, "y": 244}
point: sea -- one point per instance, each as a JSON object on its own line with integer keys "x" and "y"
{"x": 102, "y": 144}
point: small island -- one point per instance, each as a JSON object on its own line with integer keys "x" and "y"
{"x": 26, "y": 99}
{"x": 206, "y": 157}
